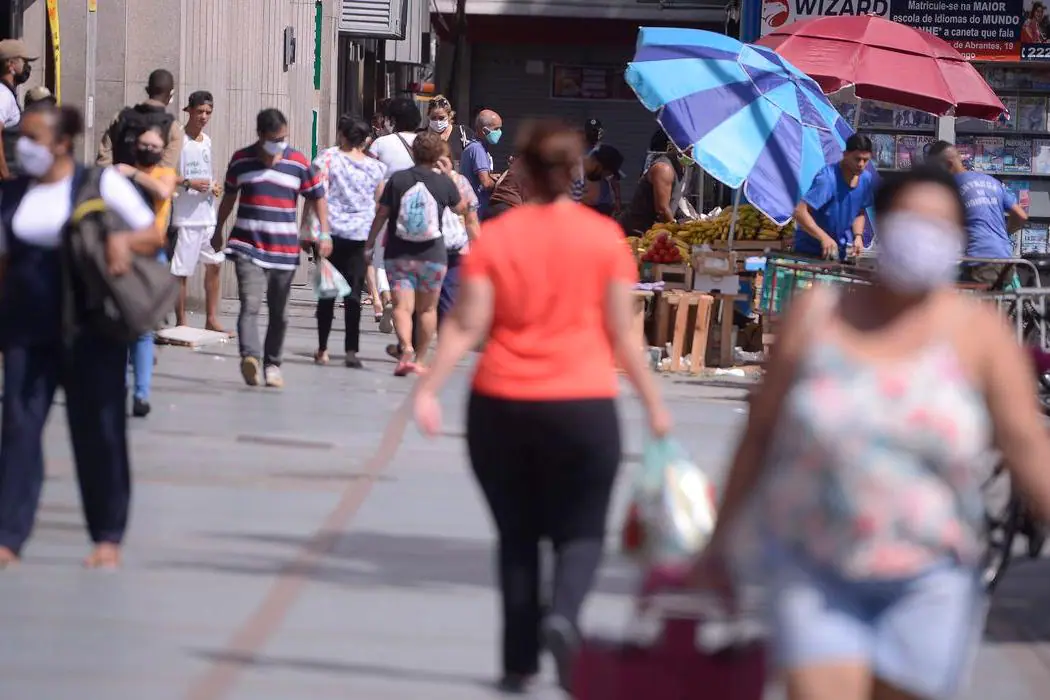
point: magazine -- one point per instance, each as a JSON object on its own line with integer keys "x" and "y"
{"x": 965, "y": 146}
{"x": 1017, "y": 156}
{"x": 876, "y": 114}
{"x": 1009, "y": 122}
{"x": 1021, "y": 190}
{"x": 1034, "y": 239}
{"x": 912, "y": 119}
{"x": 885, "y": 153}
{"x": 911, "y": 150}
{"x": 848, "y": 110}
{"x": 971, "y": 125}
{"x": 1031, "y": 114}
{"x": 988, "y": 154}
{"x": 1041, "y": 157}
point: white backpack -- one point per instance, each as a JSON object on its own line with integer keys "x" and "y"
{"x": 419, "y": 216}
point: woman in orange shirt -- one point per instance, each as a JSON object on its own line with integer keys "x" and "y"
{"x": 156, "y": 183}
{"x": 549, "y": 285}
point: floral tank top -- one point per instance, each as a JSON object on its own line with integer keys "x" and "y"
{"x": 876, "y": 470}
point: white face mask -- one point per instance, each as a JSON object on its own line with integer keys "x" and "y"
{"x": 275, "y": 148}
{"x": 33, "y": 158}
{"x": 438, "y": 125}
{"x": 917, "y": 254}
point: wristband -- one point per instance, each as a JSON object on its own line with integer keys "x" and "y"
{"x": 324, "y": 236}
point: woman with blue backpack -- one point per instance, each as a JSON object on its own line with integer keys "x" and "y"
{"x": 46, "y": 343}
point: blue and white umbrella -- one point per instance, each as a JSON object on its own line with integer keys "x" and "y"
{"x": 753, "y": 120}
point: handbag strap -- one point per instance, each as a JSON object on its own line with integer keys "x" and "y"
{"x": 407, "y": 147}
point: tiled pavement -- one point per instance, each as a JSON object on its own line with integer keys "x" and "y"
{"x": 269, "y": 560}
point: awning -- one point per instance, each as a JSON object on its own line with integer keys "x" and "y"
{"x": 698, "y": 12}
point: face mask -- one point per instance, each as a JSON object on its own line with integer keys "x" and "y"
{"x": 147, "y": 157}
{"x": 438, "y": 125}
{"x": 917, "y": 254}
{"x": 24, "y": 75}
{"x": 275, "y": 148}
{"x": 33, "y": 158}
{"x": 494, "y": 136}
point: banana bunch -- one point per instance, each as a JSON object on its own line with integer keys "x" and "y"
{"x": 751, "y": 225}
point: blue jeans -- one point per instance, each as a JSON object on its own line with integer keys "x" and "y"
{"x": 140, "y": 356}
{"x": 141, "y": 359}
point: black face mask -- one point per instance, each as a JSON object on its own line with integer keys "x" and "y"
{"x": 23, "y": 77}
{"x": 144, "y": 156}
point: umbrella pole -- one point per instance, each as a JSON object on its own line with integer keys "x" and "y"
{"x": 736, "y": 214}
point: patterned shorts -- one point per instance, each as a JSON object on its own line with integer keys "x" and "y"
{"x": 415, "y": 275}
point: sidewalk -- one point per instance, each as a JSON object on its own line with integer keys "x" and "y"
{"x": 265, "y": 560}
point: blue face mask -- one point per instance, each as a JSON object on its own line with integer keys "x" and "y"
{"x": 494, "y": 136}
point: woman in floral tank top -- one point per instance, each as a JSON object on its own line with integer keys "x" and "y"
{"x": 866, "y": 444}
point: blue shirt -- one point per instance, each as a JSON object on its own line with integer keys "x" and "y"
{"x": 987, "y": 203}
{"x": 476, "y": 160}
{"x": 834, "y": 206}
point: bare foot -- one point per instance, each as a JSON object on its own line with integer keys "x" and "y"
{"x": 7, "y": 558}
{"x": 216, "y": 328}
{"x": 105, "y": 556}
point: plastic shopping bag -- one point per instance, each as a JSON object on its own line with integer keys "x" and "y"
{"x": 328, "y": 282}
{"x": 672, "y": 510}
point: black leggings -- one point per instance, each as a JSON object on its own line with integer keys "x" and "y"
{"x": 349, "y": 258}
{"x": 547, "y": 470}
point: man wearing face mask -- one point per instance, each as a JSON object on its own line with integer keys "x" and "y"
{"x": 119, "y": 140}
{"x": 992, "y": 214}
{"x": 477, "y": 165}
{"x": 830, "y": 217}
{"x": 16, "y": 68}
{"x": 269, "y": 177}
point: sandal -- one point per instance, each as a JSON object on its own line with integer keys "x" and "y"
{"x": 321, "y": 357}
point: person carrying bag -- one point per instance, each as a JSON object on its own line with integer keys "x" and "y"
{"x": 77, "y": 285}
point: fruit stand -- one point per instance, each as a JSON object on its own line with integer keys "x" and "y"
{"x": 697, "y": 280}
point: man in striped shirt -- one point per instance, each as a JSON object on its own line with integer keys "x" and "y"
{"x": 268, "y": 177}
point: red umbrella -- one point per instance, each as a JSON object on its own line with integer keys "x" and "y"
{"x": 886, "y": 61}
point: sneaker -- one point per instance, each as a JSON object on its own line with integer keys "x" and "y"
{"x": 386, "y": 323}
{"x": 250, "y": 370}
{"x": 140, "y": 408}
{"x": 351, "y": 361}
{"x": 562, "y": 641}
{"x": 273, "y": 377}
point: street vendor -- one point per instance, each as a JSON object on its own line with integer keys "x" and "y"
{"x": 992, "y": 214}
{"x": 659, "y": 191}
{"x": 830, "y": 218}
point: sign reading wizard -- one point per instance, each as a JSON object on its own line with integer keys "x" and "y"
{"x": 778, "y": 13}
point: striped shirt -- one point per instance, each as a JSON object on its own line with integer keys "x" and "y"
{"x": 266, "y": 230}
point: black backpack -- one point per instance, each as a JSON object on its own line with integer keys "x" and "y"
{"x": 122, "y": 307}
{"x": 130, "y": 124}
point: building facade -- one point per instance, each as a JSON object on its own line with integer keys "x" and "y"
{"x": 564, "y": 59}
{"x": 250, "y": 54}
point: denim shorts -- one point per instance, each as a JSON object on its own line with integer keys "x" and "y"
{"x": 918, "y": 634}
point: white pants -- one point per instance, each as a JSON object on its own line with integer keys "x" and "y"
{"x": 193, "y": 245}
{"x": 377, "y": 262}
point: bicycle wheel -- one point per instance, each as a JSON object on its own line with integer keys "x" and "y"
{"x": 1002, "y": 514}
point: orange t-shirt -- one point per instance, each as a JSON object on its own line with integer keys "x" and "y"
{"x": 550, "y": 266}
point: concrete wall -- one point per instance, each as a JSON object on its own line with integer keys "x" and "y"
{"x": 232, "y": 48}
